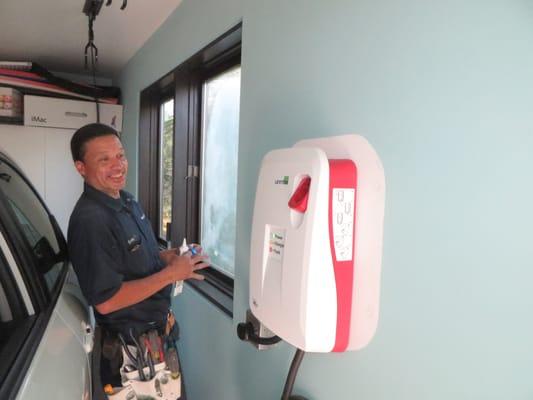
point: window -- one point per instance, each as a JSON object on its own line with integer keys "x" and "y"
{"x": 188, "y": 159}
{"x": 220, "y": 145}
{"x": 15, "y": 321}
{"x": 166, "y": 136}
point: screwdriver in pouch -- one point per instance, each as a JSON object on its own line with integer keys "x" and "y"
{"x": 171, "y": 359}
{"x": 155, "y": 343}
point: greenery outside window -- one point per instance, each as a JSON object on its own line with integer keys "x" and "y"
{"x": 166, "y": 139}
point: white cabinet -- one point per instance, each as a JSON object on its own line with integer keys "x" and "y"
{"x": 26, "y": 147}
{"x": 43, "y": 154}
{"x": 70, "y": 114}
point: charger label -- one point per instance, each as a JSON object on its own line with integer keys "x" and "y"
{"x": 276, "y": 244}
{"x": 343, "y": 215}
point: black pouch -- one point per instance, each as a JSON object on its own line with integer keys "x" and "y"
{"x": 111, "y": 360}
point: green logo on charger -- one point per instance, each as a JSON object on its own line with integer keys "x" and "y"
{"x": 284, "y": 181}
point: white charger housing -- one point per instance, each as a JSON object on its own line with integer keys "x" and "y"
{"x": 315, "y": 268}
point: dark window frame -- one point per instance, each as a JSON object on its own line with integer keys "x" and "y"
{"x": 186, "y": 81}
{"x": 149, "y": 125}
{"x": 165, "y": 96}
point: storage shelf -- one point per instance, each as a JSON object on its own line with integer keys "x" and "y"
{"x": 11, "y": 121}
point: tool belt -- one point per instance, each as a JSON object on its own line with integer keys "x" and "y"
{"x": 147, "y": 362}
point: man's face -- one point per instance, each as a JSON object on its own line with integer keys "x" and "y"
{"x": 104, "y": 165}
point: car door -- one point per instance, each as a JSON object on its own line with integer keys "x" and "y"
{"x": 45, "y": 335}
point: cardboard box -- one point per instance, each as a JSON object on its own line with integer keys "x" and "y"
{"x": 69, "y": 114}
{"x": 10, "y": 103}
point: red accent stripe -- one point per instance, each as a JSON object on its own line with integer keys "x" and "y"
{"x": 342, "y": 174}
{"x": 13, "y": 81}
{"x": 21, "y": 74}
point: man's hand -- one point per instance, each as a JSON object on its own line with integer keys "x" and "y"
{"x": 168, "y": 254}
{"x": 178, "y": 268}
{"x": 184, "y": 267}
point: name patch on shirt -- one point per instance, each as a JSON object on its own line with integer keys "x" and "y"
{"x": 134, "y": 243}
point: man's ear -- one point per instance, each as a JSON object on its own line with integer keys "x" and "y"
{"x": 80, "y": 167}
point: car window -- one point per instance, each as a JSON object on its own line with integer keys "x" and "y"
{"x": 34, "y": 222}
{"x": 5, "y": 309}
{"x": 15, "y": 321}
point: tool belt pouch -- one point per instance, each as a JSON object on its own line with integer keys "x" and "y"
{"x": 111, "y": 351}
{"x": 150, "y": 368}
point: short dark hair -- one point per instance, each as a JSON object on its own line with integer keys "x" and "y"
{"x": 86, "y": 133}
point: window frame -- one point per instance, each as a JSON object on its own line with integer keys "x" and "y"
{"x": 187, "y": 81}
{"x": 166, "y": 96}
{"x": 149, "y": 160}
{"x": 212, "y": 73}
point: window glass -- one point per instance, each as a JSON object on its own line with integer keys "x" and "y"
{"x": 220, "y": 139}
{"x": 5, "y": 307}
{"x": 34, "y": 222}
{"x": 14, "y": 326}
{"x": 166, "y": 135}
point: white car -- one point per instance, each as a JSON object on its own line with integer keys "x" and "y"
{"x": 46, "y": 339}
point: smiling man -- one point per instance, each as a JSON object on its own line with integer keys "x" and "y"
{"x": 113, "y": 250}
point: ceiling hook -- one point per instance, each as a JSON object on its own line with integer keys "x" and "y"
{"x": 90, "y": 46}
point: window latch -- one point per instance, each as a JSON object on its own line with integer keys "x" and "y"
{"x": 192, "y": 172}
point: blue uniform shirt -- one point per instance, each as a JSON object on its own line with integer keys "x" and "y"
{"x": 110, "y": 241}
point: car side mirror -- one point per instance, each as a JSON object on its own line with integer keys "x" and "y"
{"x": 46, "y": 257}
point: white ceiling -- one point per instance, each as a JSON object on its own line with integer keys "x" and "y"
{"x": 54, "y": 33}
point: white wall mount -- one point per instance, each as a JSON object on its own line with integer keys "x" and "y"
{"x": 316, "y": 264}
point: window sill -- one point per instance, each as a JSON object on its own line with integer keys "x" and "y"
{"x": 216, "y": 287}
{"x": 216, "y": 291}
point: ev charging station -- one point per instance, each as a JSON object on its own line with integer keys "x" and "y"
{"x": 316, "y": 244}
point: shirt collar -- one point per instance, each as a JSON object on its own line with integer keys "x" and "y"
{"x": 103, "y": 198}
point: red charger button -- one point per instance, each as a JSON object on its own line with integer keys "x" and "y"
{"x": 299, "y": 198}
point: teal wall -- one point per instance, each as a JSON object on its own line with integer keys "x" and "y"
{"x": 444, "y": 92}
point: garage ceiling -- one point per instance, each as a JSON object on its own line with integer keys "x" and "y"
{"x": 53, "y": 33}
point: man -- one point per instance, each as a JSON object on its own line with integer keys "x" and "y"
{"x": 111, "y": 244}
